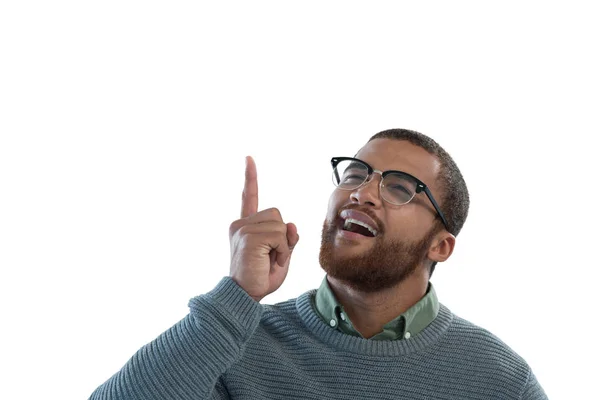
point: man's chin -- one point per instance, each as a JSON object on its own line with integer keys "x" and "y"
{"x": 344, "y": 249}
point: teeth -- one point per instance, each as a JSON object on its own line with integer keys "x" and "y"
{"x": 349, "y": 221}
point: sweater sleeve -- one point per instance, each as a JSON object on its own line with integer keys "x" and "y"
{"x": 187, "y": 360}
{"x": 533, "y": 390}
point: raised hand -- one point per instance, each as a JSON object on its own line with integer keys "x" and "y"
{"x": 261, "y": 243}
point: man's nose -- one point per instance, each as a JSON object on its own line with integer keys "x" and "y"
{"x": 369, "y": 192}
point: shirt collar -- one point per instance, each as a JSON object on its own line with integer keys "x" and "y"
{"x": 406, "y": 325}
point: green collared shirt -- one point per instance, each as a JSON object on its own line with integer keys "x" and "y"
{"x": 404, "y": 326}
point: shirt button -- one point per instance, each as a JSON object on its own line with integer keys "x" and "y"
{"x": 332, "y": 322}
{"x": 342, "y": 316}
{"x": 407, "y": 335}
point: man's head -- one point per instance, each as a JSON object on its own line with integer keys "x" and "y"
{"x": 410, "y": 238}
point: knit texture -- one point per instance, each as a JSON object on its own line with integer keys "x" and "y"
{"x": 231, "y": 347}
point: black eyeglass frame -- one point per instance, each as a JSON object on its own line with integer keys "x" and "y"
{"x": 421, "y": 187}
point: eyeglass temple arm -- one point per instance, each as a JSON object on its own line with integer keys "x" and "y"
{"x": 437, "y": 208}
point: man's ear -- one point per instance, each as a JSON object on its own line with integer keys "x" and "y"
{"x": 442, "y": 247}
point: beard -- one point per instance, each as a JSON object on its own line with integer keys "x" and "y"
{"x": 384, "y": 265}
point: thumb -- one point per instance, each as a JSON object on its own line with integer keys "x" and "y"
{"x": 292, "y": 235}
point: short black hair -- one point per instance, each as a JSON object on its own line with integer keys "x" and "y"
{"x": 454, "y": 201}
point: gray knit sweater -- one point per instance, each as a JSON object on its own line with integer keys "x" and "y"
{"x": 231, "y": 347}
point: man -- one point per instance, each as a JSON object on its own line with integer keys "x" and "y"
{"x": 374, "y": 329}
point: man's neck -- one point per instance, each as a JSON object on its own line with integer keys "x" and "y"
{"x": 369, "y": 312}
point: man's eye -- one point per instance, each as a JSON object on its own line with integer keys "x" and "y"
{"x": 353, "y": 178}
{"x": 399, "y": 188}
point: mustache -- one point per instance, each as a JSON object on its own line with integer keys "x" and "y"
{"x": 365, "y": 210}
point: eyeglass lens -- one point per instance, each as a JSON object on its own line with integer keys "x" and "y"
{"x": 396, "y": 188}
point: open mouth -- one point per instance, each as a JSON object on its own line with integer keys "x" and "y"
{"x": 359, "y": 227}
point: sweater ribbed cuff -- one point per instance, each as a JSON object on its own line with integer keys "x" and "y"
{"x": 235, "y": 300}
{"x": 232, "y": 301}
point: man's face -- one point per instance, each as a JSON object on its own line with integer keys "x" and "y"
{"x": 404, "y": 233}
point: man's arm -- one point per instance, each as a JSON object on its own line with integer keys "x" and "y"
{"x": 186, "y": 361}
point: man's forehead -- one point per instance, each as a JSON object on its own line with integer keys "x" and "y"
{"x": 386, "y": 154}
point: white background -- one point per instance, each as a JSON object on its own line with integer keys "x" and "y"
{"x": 124, "y": 127}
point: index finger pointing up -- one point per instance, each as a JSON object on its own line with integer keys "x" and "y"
{"x": 250, "y": 193}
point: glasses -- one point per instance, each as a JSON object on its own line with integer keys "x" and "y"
{"x": 396, "y": 187}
